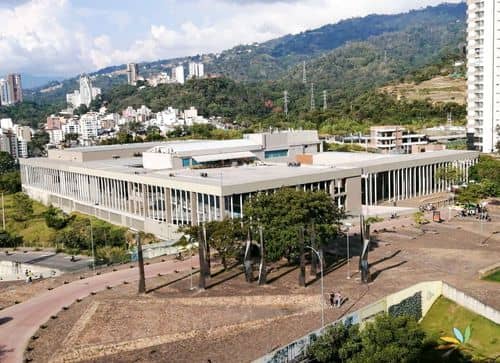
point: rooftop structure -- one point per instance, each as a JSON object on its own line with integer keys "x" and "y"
{"x": 115, "y": 183}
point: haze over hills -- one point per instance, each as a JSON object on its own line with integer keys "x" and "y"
{"x": 337, "y": 54}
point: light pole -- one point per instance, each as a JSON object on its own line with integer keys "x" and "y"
{"x": 92, "y": 244}
{"x": 3, "y": 213}
{"x": 348, "y": 226}
{"x": 322, "y": 287}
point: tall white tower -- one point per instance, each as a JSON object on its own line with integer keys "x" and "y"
{"x": 86, "y": 95}
{"x": 483, "y": 71}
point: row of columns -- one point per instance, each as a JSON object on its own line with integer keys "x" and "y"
{"x": 412, "y": 182}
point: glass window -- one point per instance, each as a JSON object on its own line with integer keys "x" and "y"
{"x": 276, "y": 154}
{"x": 186, "y": 162}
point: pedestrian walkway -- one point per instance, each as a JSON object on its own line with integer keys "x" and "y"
{"x": 19, "y": 322}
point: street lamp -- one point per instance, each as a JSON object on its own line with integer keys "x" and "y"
{"x": 322, "y": 286}
{"x": 92, "y": 244}
{"x": 348, "y": 226}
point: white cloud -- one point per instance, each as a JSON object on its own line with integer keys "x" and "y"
{"x": 52, "y": 36}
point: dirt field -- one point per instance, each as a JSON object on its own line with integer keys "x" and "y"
{"x": 438, "y": 89}
{"x": 233, "y": 321}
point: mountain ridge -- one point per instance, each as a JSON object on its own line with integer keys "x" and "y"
{"x": 274, "y": 58}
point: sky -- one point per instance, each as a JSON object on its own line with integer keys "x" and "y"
{"x": 67, "y": 37}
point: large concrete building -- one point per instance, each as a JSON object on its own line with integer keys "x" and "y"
{"x": 156, "y": 187}
{"x": 483, "y": 75}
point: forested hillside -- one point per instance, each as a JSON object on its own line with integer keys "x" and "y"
{"x": 423, "y": 34}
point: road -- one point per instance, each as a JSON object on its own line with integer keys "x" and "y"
{"x": 19, "y": 322}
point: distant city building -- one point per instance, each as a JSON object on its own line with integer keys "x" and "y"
{"x": 483, "y": 80}
{"x": 11, "y": 90}
{"x": 85, "y": 95}
{"x": 132, "y": 73}
{"x": 395, "y": 139}
{"x": 71, "y": 127}
{"x": 4, "y": 93}
{"x": 14, "y": 138}
{"x": 196, "y": 70}
{"x": 178, "y": 74}
{"x": 89, "y": 126}
{"x": 161, "y": 78}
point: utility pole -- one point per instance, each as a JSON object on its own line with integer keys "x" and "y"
{"x": 312, "y": 97}
{"x": 3, "y": 213}
{"x": 324, "y": 101}
{"x": 304, "y": 78}
{"x": 285, "y": 102}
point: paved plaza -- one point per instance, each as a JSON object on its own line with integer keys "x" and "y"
{"x": 235, "y": 321}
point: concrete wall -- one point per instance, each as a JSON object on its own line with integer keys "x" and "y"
{"x": 160, "y": 229}
{"x": 471, "y": 303}
{"x": 429, "y": 291}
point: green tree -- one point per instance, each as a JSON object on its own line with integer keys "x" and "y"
{"x": 56, "y": 218}
{"x": 38, "y": 143}
{"x": 283, "y": 213}
{"x": 10, "y": 182}
{"x": 339, "y": 343}
{"x": 223, "y": 236}
{"x": 22, "y": 208}
{"x": 7, "y": 163}
{"x": 390, "y": 340}
{"x": 8, "y": 240}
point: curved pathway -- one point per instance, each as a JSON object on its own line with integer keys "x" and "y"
{"x": 19, "y": 322}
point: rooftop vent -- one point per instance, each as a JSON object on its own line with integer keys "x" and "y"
{"x": 171, "y": 175}
{"x": 115, "y": 156}
{"x": 204, "y": 175}
{"x": 293, "y": 164}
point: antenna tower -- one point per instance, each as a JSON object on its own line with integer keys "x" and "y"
{"x": 285, "y": 102}
{"x": 324, "y": 101}
{"x": 304, "y": 78}
{"x": 312, "y": 97}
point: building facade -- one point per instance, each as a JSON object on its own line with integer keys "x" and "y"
{"x": 178, "y": 74}
{"x": 118, "y": 182}
{"x": 86, "y": 94}
{"x": 483, "y": 74}
{"x": 132, "y": 73}
{"x": 11, "y": 90}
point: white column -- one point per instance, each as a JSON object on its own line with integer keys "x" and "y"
{"x": 375, "y": 188}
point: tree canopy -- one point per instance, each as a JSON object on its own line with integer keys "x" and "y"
{"x": 283, "y": 213}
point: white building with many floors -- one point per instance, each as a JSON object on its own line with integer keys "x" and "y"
{"x": 483, "y": 75}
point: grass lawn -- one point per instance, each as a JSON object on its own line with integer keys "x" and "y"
{"x": 444, "y": 315}
{"x": 495, "y": 276}
{"x": 34, "y": 230}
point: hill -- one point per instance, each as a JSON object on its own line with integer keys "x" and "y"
{"x": 373, "y": 35}
{"x": 438, "y": 89}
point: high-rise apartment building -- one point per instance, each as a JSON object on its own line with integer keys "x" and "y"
{"x": 179, "y": 74}
{"x": 15, "y": 87}
{"x": 196, "y": 70}
{"x": 85, "y": 95}
{"x": 132, "y": 73}
{"x": 483, "y": 75}
{"x": 11, "y": 90}
{"x": 4, "y": 93}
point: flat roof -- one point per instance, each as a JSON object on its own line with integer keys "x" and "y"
{"x": 203, "y": 145}
{"x": 256, "y": 176}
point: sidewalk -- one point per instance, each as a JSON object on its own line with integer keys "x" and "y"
{"x": 19, "y": 322}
